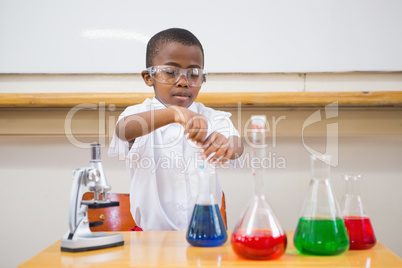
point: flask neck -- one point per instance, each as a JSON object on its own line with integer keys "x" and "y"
{"x": 258, "y": 182}
{"x": 352, "y": 204}
{"x": 320, "y": 168}
{"x": 259, "y": 154}
{"x": 352, "y": 184}
{"x": 206, "y": 185}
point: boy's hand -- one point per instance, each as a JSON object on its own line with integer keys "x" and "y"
{"x": 195, "y": 125}
{"x": 220, "y": 145}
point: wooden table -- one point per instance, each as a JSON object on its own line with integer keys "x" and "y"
{"x": 170, "y": 248}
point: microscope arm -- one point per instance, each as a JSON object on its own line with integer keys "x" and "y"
{"x": 74, "y": 199}
{"x": 76, "y": 212}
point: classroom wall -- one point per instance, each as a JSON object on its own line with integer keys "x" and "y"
{"x": 268, "y": 46}
{"x": 37, "y": 158}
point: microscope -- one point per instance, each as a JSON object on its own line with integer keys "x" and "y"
{"x": 79, "y": 236}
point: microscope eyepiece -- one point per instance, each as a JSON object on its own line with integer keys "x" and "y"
{"x": 95, "y": 152}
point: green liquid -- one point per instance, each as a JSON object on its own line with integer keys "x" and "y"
{"x": 321, "y": 236}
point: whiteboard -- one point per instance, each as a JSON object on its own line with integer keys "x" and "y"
{"x": 273, "y": 36}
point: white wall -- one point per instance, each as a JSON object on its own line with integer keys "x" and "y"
{"x": 36, "y": 174}
{"x": 92, "y": 36}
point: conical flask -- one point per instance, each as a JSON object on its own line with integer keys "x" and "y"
{"x": 358, "y": 224}
{"x": 321, "y": 230}
{"x": 258, "y": 234}
{"x": 206, "y": 228}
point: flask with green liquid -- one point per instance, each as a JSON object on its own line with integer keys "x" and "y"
{"x": 321, "y": 229}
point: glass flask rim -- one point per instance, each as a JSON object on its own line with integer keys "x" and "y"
{"x": 352, "y": 176}
{"x": 326, "y": 158}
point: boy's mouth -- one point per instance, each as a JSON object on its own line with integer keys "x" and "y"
{"x": 181, "y": 96}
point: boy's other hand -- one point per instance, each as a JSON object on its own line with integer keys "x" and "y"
{"x": 220, "y": 145}
{"x": 195, "y": 125}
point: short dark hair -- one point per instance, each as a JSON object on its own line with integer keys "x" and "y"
{"x": 181, "y": 36}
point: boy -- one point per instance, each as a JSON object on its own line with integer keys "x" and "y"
{"x": 163, "y": 138}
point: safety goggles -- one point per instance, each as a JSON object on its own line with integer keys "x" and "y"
{"x": 171, "y": 74}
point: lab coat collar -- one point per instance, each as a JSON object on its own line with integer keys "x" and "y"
{"x": 156, "y": 104}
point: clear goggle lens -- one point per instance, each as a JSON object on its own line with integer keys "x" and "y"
{"x": 171, "y": 74}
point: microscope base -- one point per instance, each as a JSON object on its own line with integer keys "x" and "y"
{"x": 92, "y": 242}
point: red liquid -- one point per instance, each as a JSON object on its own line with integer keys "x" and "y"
{"x": 361, "y": 233}
{"x": 260, "y": 245}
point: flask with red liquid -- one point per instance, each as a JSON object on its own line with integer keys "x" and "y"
{"x": 321, "y": 230}
{"x": 258, "y": 234}
{"x": 358, "y": 224}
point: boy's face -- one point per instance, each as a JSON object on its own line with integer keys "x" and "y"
{"x": 176, "y": 54}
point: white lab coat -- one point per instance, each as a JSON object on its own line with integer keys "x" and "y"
{"x": 163, "y": 166}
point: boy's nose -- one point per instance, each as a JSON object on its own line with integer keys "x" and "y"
{"x": 182, "y": 82}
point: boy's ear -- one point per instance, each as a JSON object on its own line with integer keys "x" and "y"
{"x": 147, "y": 78}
